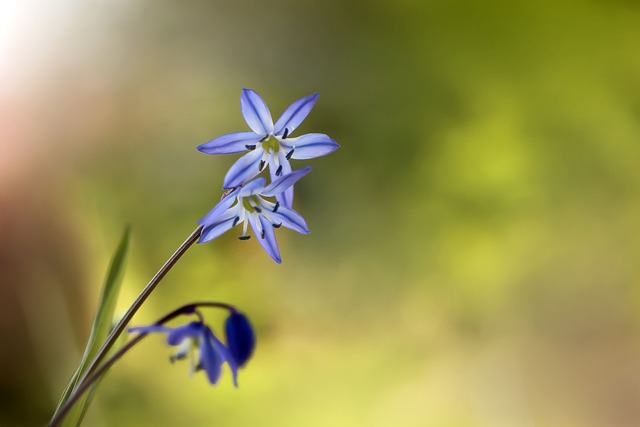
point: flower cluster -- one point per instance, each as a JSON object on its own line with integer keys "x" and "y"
{"x": 250, "y": 201}
{"x": 213, "y": 353}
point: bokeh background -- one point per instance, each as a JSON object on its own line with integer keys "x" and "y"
{"x": 475, "y": 245}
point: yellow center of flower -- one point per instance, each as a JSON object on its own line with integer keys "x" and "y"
{"x": 271, "y": 143}
{"x": 246, "y": 204}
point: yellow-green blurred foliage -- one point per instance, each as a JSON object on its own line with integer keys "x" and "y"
{"x": 475, "y": 245}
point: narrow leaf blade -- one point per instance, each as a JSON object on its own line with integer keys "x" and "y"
{"x": 101, "y": 327}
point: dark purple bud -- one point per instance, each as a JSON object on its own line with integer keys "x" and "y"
{"x": 241, "y": 339}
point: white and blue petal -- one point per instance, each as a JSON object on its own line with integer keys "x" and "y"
{"x": 310, "y": 146}
{"x": 286, "y": 197}
{"x": 210, "y": 359}
{"x": 245, "y": 168}
{"x": 219, "y": 209}
{"x": 285, "y": 181}
{"x": 256, "y": 113}
{"x": 294, "y": 115}
{"x": 251, "y": 188}
{"x": 283, "y": 194}
{"x": 177, "y": 335}
{"x": 263, "y": 230}
{"x": 230, "y": 143}
{"x": 224, "y": 354}
{"x": 290, "y": 219}
{"x": 216, "y": 230}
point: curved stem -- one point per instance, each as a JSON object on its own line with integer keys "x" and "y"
{"x": 96, "y": 373}
{"x": 90, "y": 379}
{"x": 122, "y": 323}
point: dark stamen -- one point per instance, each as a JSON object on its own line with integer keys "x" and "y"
{"x": 250, "y": 147}
{"x": 244, "y": 237}
{"x": 265, "y": 138}
{"x": 262, "y": 234}
{"x": 289, "y": 154}
{"x": 277, "y": 225}
{"x": 235, "y": 220}
{"x": 178, "y": 356}
{"x": 261, "y": 165}
{"x": 285, "y": 134}
{"x": 275, "y": 208}
{"x": 279, "y": 170}
{"x": 258, "y": 209}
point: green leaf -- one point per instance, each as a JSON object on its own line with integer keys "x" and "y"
{"x": 83, "y": 405}
{"x": 102, "y": 324}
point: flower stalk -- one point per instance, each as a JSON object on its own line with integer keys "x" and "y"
{"x": 97, "y": 372}
{"x": 144, "y": 294}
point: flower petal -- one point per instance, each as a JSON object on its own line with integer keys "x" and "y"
{"x": 266, "y": 240}
{"x": 230, "y": 143}
{"x": 225, "y": 355}
{"x": 286, "y": 197}
{"x": 216, "y": 230}
{"x": 210, "y": 358}
{"x": 295, "y": 114}
{"x": 253, "y": 187}
{"x": 310, "y": 146}
{"x": 241, "y": 339}
{"x": 223, "y": 205}
{"x": 256, "y": 113}
{"x": 291, "y": 219}
{"x": 285, "y": 181}
{"x": 191, "y": 330}
{"x": 245, "y": 168}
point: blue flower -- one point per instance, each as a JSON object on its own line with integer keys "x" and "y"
{"x": 269, "y": 144}
{"x": 212, "y": 352}
{"x": 247, "y": 205}
{"x": 241, "y": 339}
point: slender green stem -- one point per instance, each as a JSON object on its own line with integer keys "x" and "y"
{"x": 81, "y": 388}
{"x": 89, "y": 379}
{"x": 122, "y": 323}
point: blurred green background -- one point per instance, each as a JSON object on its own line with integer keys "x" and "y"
{"x": 475, "y": 241}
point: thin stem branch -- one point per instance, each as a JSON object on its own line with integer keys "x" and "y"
{"x": 81, "y": 388}
{"x": 122, "y": 323}
{"x": 89, "y": 379}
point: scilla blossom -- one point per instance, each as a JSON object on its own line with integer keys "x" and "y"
{"x": 249, "y": 204}
{"x": 269, "y": 144}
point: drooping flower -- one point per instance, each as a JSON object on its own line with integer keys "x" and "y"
{"x": 241, "y": 340}
{"x": 247, "y": 205}
{"x": 269, "y": 144}
{"x": 211, "y": 351}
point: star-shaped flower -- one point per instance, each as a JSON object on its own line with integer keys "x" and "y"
{"x": 247, "y": 205}
{"x": 269, "y": 144}
{"x": 196, "y": 335}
